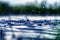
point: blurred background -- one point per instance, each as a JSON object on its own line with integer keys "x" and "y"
{"x": 29, "y": 19}
{"x": 32, "y": 7}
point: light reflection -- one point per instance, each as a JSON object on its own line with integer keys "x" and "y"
{"x": 46, "y": 32}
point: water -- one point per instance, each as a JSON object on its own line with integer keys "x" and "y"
{"x": 30, "y": 27}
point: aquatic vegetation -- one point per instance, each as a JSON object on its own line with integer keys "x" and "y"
{"x": 5, "y": 9}
{"x": 58, "y": 33}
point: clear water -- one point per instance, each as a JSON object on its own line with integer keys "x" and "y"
{"x": 29, "y": 27}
